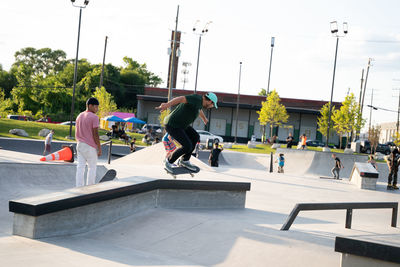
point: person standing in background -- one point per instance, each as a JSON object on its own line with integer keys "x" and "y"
{"x": 88, "y": 143}
{"x": 47, "y": 143}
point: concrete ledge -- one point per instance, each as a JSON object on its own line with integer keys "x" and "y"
{"x": 364, "y": 253}
{"x": 364, "y": 175}
{"x": 83, "y": 209}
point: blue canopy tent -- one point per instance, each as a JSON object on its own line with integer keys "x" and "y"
{"x": 134, "y": 120}
{"x": 113, "y": 118}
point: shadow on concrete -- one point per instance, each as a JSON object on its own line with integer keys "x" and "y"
{"x": 182, "y": 237}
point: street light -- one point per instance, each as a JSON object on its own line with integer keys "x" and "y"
{"x": 204, "y": 31}
{"x": 85, "y": 3}
{"x": 237, "y": 102}
{"x": 270, "y": 61}
{"x": 334, "y": 31}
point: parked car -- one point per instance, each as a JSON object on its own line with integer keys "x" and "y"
{"x": 67, "y": 123}
{"x": 204, "y": 135}
{"x": 383, "y": 148}
{"x": 391, "y": 145}
{"x": 155, "y": 128}
{"x": 315, "y": 143}
{"x": 365, "y": 147}
{"x": 19, "y": 117}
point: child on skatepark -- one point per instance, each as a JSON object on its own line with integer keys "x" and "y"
{"x": 281, "y": 163}
{"x": 169, "y": 145}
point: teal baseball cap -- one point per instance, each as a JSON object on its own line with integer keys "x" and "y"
{"x": 213, "y": 98}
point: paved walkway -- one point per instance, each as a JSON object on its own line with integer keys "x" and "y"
{"x": 171, "y": 237}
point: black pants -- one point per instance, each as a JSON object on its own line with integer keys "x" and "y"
{"x": 188, "y": 139}
{"x": 393, "y": 173}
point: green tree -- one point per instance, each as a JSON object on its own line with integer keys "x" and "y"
{"x": 272, "y": 111}
{"x": 7, "y": 81}
{"x": 263, "y": 92}
{"x": 150, "y": 78}
{"x": 6, "y": 105}
{"x": 107, "y": 104}
{"x": 43, "y": 61}
{"x": 162, "y": 116}
{"x": 348, "y": 118}
{"x": 322, "y": 121}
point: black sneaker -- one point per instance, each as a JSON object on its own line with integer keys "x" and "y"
{"x": 395, "y": 187}
{"x": 389, "y": 187}
{"x": 187, "y": 165}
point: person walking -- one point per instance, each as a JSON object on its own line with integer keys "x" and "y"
{"x": 178, "y": 125}
{"x": 88, "y": 143}
{"x": 289, "y": 141}
{"x": 47, "y": 142}
{"x": 393, "y": 164}
{"x": 337, "y": 167}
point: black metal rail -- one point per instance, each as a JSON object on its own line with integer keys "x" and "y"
{"x": 109, "y": 149}
{"x": 348, "y": 206}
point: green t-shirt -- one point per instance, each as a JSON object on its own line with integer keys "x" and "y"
{"x": 185, "y": 114}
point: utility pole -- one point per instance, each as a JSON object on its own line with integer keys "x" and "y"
{"x": 172, "y": 68}
{"x": 370, "y": 110}
{"x": 365, "y": 85}
{"x": 359, "y": 101}
{"x": 102, "y": 67}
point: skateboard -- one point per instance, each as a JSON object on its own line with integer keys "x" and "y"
{"x": 108, "y": 176}
{"x": 332, "y": 178}
{"x": 177, "y": 170}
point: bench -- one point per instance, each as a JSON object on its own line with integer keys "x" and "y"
{"x": 82, "y": 209}
{"x": 348, "y": 206}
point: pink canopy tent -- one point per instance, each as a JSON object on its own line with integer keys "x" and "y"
{"x": 123, "y": 115}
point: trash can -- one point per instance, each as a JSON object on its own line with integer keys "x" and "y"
{"x": 210, "y": 143}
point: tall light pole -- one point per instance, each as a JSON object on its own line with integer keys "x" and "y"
{"x": 102, "y": 66}
{"x": 270, "y": 61}
{"x": 85, "y": 3}
{"x": 237, "y": 102}
{"x": 334, "y": 31}
{"x": 203, "y": 31}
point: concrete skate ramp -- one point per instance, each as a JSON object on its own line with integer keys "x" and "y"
{"x": 244, "y": 160}
{"x": 315, "y": 163}
{"x": 20, "y": 180}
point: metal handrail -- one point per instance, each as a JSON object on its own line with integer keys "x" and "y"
{"x": 348, "y": 206}
{"x": 109, "y": 149}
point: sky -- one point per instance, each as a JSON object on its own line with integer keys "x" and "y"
{"x": 241, "y": 31}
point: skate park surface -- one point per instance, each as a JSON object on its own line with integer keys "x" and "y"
{"x": 202, "y": 237}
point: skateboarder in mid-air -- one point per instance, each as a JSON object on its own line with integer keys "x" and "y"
{"x": 178, "y": 125}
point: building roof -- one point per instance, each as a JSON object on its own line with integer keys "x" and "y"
{"x": 230, "y": 100}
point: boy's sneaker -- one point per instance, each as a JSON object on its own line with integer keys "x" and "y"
{"x": 389, "y": 187}
{"x": 395, "y": 187}
{"x": 187, "y": 165}
{"x": 168, "y": 166}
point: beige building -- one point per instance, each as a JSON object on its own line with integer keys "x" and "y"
{"x": 388, "y": 130}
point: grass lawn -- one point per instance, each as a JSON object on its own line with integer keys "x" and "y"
{"x": 60, "y": 131}
{"x": 266, "y": 149}
{"x": 262, "y": 148}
